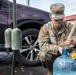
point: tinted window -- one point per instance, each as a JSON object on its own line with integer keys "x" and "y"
{"x": 3, "y": 4}
{"x": 0, "y": 4}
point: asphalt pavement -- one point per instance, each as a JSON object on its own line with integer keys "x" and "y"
{"x": 5, "y": 69}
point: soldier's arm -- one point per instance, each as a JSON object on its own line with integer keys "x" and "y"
{"x": 44, "y": 41}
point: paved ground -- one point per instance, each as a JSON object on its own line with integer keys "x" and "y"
{"x": 5, "y": 67}
{"x": 22, "y": 70}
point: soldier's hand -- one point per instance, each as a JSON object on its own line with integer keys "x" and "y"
{"x": 60, "y": 50}
{"x": 69, "y": 42}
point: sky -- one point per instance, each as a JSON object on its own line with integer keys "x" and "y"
{"x": 70, "y": 5}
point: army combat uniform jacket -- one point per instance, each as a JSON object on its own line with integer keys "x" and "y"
{"x": 50, "y": 39}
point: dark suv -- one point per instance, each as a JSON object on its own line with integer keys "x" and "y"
{"x": 29, "y": 20}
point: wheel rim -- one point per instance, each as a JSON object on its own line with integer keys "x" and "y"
{"x": 30, "y": 47}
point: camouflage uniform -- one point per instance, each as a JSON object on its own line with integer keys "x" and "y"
{"x": 49, "y": 47}
{"x": 49, "y": 50}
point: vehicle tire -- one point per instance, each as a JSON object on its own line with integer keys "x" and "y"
{"x": 30, "y": 48}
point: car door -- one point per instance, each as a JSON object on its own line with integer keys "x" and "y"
{"x": 3, "y": 20}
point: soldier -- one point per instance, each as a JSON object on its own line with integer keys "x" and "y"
{"x": 52, "y": 35}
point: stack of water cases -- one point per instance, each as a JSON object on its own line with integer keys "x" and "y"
{"x": 64, "y": 64}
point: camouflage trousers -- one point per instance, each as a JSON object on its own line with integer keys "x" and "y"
{"x": 47, "y": 59}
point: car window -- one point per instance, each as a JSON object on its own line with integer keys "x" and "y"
{"x": 2, "y": 4}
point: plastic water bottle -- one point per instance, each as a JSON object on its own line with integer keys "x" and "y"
{"x": 64, "y": 64}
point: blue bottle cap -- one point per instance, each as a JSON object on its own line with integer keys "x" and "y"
{"x": 64, "y": 51}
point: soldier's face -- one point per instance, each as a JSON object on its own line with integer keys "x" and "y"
{"x": 57, "y": 23}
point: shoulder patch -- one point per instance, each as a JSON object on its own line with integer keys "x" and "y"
{"x": 44, "y": 28}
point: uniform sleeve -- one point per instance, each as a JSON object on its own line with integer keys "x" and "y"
{"x": 44, "y": 41}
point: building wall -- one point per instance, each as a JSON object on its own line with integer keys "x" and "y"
{"x": 70, "y": 19}
{"x": 72, "y": 22}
